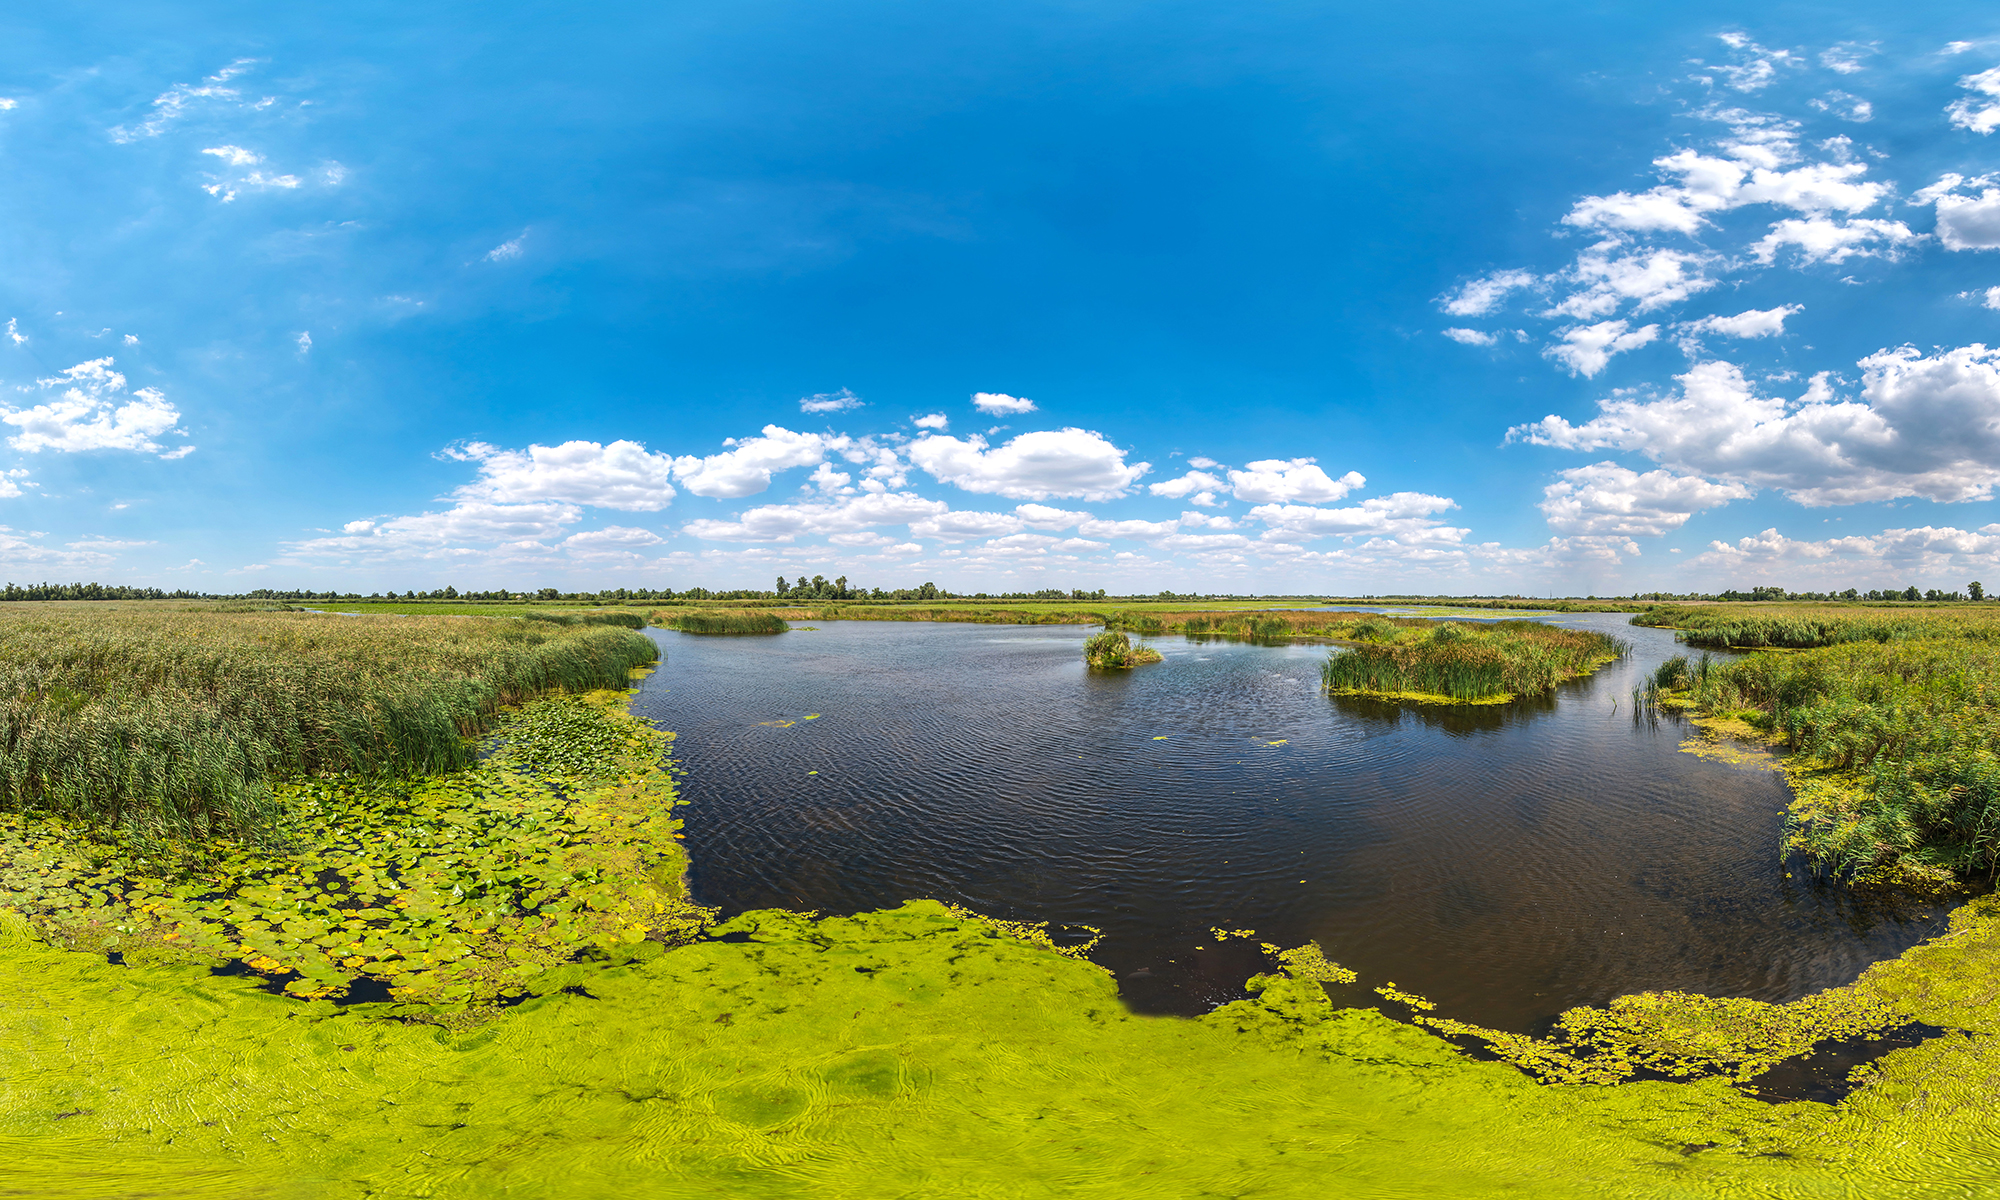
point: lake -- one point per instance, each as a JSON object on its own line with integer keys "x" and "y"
{"x": 1507, "y": 862}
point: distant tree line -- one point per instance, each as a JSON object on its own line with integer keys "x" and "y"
{"x": 1973, "y": 591}
{"x": 90, "y": 591}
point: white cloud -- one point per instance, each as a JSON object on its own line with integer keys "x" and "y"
{"x": 14, "y": 333}
{"x": 1138, "y": 531}
{"x": 235, "y": 156}
{"x": 937, "y": 421}
{"x": 173, "y": 104}
{"x": 517, "y": 528}
{"x": 1471, "y": 337}
{"x": 1708, "y": 184}
{"x": 1202, "y": 485}
{"x": 1041, "y": 516}
{"x": 1965, "y": 222}
{"x": 508, "y": 250}
{"x": 304, "y": 341}
{"x": 1755, "y": 67}
{"x": 612, "y": 543}
{"x": 746, "y": 469}
{"x": 1979, "y": 112}
{"x": 1750, "y": 323}
{"x": 1823, "y": 240}
{"x": 93, "y": 413}
{"x": 1846, "y": 57}
{"x": 965, "y": 526}
{"x": 1605, "y": 498}
{"x": 1846, "y": 107}
{"x": 1648, "y": 278}
{"x": 999, "y": 405}
{"x": 1290, "y": 481}
{"x": 1926, "y": 425}
{"x": 11, "y": 483}
{"x": 130, "y": 339}
{"x": 1993, "y": 297}
{"x": 1034, "y": 466}
{"x": 1482, "y": 296}
{"x": 7, "y": 103}
{"x": 1587, "y": 349}
{"x": 1399, "y": 514}
{"x": 787, "y": 522}
{"x": 829, "y": 402}
{"x": 621, "y": 475}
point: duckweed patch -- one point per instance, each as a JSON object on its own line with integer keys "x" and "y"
{"x": 458, "y": 890}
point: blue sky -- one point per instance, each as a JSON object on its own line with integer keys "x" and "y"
{"x": 1268, "y": 297}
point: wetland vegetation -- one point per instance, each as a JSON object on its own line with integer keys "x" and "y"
{"x": 415, "y": 969}
{"x": 1112, "y": 651}
{"x": 1462, "y": 663}
{"x": 739, "y": 621}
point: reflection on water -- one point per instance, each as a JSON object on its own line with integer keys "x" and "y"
{"x": 1508, "y": 862}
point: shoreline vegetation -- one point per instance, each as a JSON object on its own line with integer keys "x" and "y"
{"x": 1462, "y": 663}
{"x": 1889, "y": 722}
{"x": 484, "y": 976}
{"x": 732, "y": 622}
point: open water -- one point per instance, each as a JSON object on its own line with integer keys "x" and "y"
{"x": 1507, "y": 862}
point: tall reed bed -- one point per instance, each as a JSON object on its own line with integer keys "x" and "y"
{"x": 725, "y": 621}
{"x": 1746, "y": 628}
{"x": 1465, "y": 663}
{"x": 1112, "y": 650}
{"x": 171, "y": 724}
{"x": 1898, "y": 745}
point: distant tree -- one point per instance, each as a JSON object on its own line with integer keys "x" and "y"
{"x": 1976, "y": 590}
{"x": 1911, "y": 593}
{"x": 783, "y": 586}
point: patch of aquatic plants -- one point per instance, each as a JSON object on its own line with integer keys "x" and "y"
{"x": 1113, "y": 651}
{"x": 621, "y": 620}
{"x": 1748, "y": 627}
{"x": 1895, "y": 751}
{"x": 925, "y": 1051}
{"x": 1453, "y": 662}
{"x": 728, "y": 621}
{"x": 455, "y": 889}
{"x": 172, "y": 726}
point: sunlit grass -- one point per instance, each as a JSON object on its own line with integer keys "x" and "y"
{"x": 1464, "y": 663}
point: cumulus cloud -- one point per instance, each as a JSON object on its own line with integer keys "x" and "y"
{"x": 1482, "y": 296}
{"x": 1400, "y": 514}
{"x": 1201, "y": 485}
{"x": 1846, "y": 107}
{"x": 999, "y": 405}
{"x": 14, "y": 333}
{"x": 1042, "y": 516}
{"x": 1607, "y": 279}
{"x": 613, "y": 543}
{"x": 966, "y": 526}
{"x": 1605, "y": 498}
{"x": 788, "y": 522}
{"x": 830, "y": 402}
{"x": 1965, "y": 222}
{"x": 1925, "y": 425}
{"x": 1822, "y": 240}
{"x": 94, "y": 413}
{"x": 1750, "y": 323}
{"x": 1471, "y": 337}
{"x": 1587, "y": 349}
{"x": 1290, "y": 481}
{"x": 447, "y": 535}
{"x": 746, "y": 468}
{"x": 621, "y": 475}
{"x": 1754, "y": 67}
{"x": 1043, "y": 465}
{"x": 1979, "y": 112}
{"x": 1707, "y": 184}
{"x": 937, "y": 421}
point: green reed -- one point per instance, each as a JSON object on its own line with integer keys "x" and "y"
{"x": 726, "y": 621}
{"x": 1899, "y": 745}
{"x": 172, "y": 724}
{"x": 1748, "y": 627}
{"x": 1112, "y": 650}
{"x": 1467, "y": 662}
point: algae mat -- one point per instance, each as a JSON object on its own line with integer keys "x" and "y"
{"x": 915, "y": 1052}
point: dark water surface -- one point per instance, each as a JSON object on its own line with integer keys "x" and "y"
{"x": 1507, "y": 862}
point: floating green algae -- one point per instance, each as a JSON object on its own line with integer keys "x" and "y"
{"x": 922, "y": 1051}
{"x": 451, "y": 889}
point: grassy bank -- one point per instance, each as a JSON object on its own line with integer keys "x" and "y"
{"x": 1806, "y": 626}
{"x": 1463, "y": 663}
{"x": 174, "y": 724}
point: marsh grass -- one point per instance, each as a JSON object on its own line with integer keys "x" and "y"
{"x": 1895, "y": 750}
{"x": 172, "y": 725}
{"x": 1466, "y": 663}
{"x": 728, "y": 621}
{"x": 1745, "y": 627}
{"x": 1112, "y": 651}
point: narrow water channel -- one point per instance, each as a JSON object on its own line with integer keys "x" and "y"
{"x": 1507, "y": 862}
